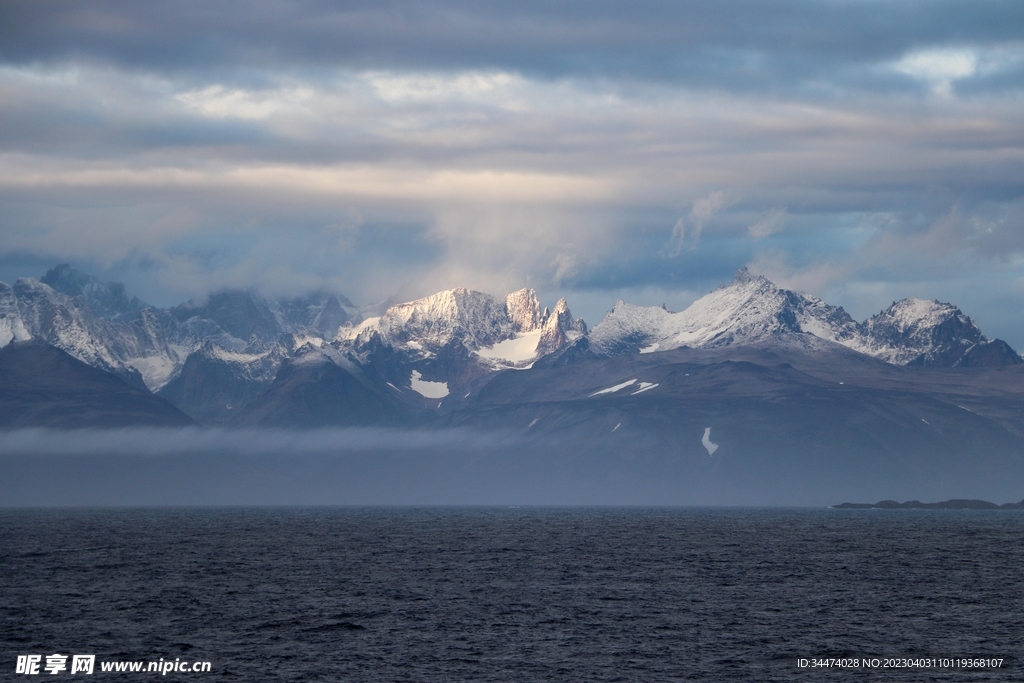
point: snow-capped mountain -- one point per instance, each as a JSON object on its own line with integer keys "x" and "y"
{"x": 136, "y": 351}
{"x": 99, "y": 324}
{"x": 453, "y": 339}
{"x": 777, "y": 389}
{"x": 321, "y": 314}
{"x": 752, "y": 310}
{"x": 559, "y": 329}
{"x": 508, "y": 332}
{"x": 234, "y": 318}
{"x": 475, "y": 319}
{"x": 416, "y": 358}
{"x": 929, "y": 332}
{"x": 107, "y": 300}
{"x": 211, "y": 357}
{"x": 214, "y": 384}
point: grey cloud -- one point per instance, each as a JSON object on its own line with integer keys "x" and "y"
{"x": 749, "y": 43}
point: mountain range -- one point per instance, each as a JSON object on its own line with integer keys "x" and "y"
{"x": 751, "y": 383}
{"x": 212, "y": 358}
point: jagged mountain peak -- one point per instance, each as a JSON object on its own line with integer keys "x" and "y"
{"x": 752, "y": 310}
{"x": 560, "y": 329}
{"x": 749, "y": 309}
{"x": 744, "y": 276}
{"x": 915, "y": 313}
{"x": 105, "y": 299}
{"x": 322, "y": 311}
{"x": 152, "y": 345}
{"x": 458, "y": 337}
{"x": 67, "y": 322}
{"x": 475, "y": 318}
{"x": 916, "y": 331}
{"x": 524, "y": 310}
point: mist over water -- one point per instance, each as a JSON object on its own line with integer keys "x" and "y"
{"x": 148, "y": 441}
{"x": 195, "y": 466}
{"x": 455, "y": 466}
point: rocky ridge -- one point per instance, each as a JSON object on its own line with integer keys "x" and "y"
{"x": 213, "y": 356}
{"x": 753, "y": 311}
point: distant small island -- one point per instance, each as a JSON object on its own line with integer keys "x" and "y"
{"x": 954, "y": 504}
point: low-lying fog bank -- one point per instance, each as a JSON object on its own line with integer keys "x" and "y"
{"x": 195, "y": 466}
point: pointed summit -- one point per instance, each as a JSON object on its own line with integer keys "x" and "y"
{"x": 930, "y": 332}
{"x": 524, "y": 310}
{"x": 745, "y": 277}
{"x": 749, "y": 310}
{"x": 560, "y": 329}
{"x": 105, "y": 299}
{"x": 742, "y": 276}
{"x": 474, "y": 318}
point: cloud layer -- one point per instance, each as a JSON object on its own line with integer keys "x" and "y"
{"x": 864, "y": 151}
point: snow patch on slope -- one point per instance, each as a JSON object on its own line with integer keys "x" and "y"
{"x": 617, "y": 387}
{"x": 706, "y": 442}
{"x": 519, "y": 349}
{"x": 427, "y": 389}
{"x": 156, "y": 371}
{"x": 644, "y": 386}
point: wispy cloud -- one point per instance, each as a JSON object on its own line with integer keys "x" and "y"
{"x": 769, "y": 225}
{"x": 686, "y": 232}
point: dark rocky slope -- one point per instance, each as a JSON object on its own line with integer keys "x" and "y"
{"x": 42, "y": 386}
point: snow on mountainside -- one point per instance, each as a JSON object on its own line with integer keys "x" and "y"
{"x": 104, "y": 299}
{"x": 126, "y": 349}
{"x": 476, "y": 319}
{"x": 12, "y": 327}
{"x": 320, "y": 312}
{"x": 99, "y": 324}
{"x": 250, "y": 336}
{"x": 752, "y": 310}
{"x": 912, "y": 329}
{"x": 512, "y": 332}
{"x": 523, "y": 310}
{"x": 447, "y": 345}
{"x": 234, "y": 318}
{"x": 214, "y": 384}
{"x": 929, "y": 332}
{"x": 213, "y": 356}
{"x": 559, "y": 329}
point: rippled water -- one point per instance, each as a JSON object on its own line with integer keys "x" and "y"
{"x": 513, "y": 594}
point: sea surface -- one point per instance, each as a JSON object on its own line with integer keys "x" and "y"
{"x": 532, "y": 594}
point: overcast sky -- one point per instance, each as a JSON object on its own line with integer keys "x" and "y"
{"x": 859, "y": 151}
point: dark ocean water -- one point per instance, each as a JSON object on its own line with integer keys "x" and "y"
{"x": 513, "y": 594}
